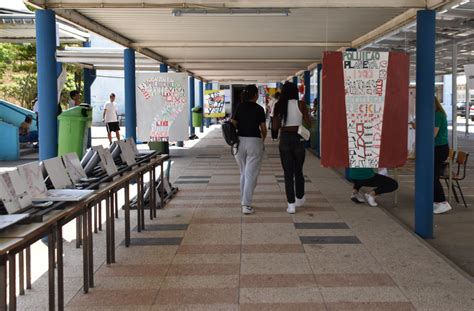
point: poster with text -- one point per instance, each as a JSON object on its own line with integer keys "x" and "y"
{"x": 162, "y": 102}
{"x": 214, "y": 101}
{"x": 364, "y": 109}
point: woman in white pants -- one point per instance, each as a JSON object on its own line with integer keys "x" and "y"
{"x": 249, "y": 119}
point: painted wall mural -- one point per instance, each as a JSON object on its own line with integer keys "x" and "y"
{"x": 214, "y": 101}
{"x": 162, "y": 101}
{"x": 364, "y": 109}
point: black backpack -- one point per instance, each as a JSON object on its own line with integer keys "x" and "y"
{"x": 230, "y": 135}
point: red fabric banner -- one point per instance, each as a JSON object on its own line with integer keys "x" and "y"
{"x": 334, "y": 126}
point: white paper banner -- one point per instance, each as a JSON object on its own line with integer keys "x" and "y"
{"x": 365, "y": 82}
{"x": 162, "y": 102}
{"x": 469, "y": 71}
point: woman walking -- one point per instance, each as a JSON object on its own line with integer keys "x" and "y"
{"x": 441, "y": 153}
{"x": 289, "y": 114}
{"x": 249, "y": 120}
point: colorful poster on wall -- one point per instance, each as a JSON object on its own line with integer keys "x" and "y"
{"x": 364, "y": 109}
{"x": 162, "y": 101}
{"x": 214, "y": 101}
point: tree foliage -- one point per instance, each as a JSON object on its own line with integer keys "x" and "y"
{"x": 18, "y": 74}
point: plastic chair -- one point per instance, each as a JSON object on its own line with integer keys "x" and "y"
{"x": 460, "y": 174}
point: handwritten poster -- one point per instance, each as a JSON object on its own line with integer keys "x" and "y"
{"x": 13, "y": 192}
{"x": 162, "y": 101}
{"x": 214, "y": 101}
{"x": 364, "y": 109}
{"x": 365, "y": 82}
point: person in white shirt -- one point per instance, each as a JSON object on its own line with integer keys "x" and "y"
{"x": 110, "y": 118}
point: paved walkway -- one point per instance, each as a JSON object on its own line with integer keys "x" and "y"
{"x": 201, "y": 253}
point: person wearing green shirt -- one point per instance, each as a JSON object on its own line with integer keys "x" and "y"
{"x": 441, "y": 153}
{"x": 366, "y": 177}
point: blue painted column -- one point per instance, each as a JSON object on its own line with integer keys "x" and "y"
{"x": 425, "y": 80}
{"x": 47, "y": 83}
{"x": 208, "y": 88}
{"x": 307, "y": 87}
{"x": 318, "y": 96}
{"x": 295, "y": 80}
{"x": 130, "y": 99}
{"x": 163, "y": 68}
{"x": 89, "y": 77}
{"x": 201, "y": 102}
{"x": 191, "y": 105}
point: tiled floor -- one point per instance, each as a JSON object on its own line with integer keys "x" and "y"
{"x": 201, "y": 253}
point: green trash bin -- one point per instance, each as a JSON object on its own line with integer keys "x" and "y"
{"x": 197, "y": 116}
{"x": 162, "y": 147}
{"x": 73, "y": 130}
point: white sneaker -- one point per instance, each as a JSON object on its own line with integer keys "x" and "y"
{"x": 300, "y": 202}
{"x": 370, "y": 200}
{"x": 442, "y": 207}
{"x": 357, "y": 197}
{"x": 291, "y": 208}
{"x": 247, "y": 210}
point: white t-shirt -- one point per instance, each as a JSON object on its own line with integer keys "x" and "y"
{"x": 110, "y": 113}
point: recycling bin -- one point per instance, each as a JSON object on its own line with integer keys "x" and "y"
{"x": 197, "y": 116}
{"x": 73, "y": 130}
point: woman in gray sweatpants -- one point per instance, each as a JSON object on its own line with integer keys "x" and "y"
{"x": 249, "y": 119}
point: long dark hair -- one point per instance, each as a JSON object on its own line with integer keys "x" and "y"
{"x": 289, "y": 91}
{"x": 249, "y": 93}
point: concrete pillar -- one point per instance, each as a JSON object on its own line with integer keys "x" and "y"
{"x": 425, "y": 79}
{"x": 130, "y": 99}
{"x": 47, "y": 83}
{"x": 307, "y": 87}
{"x": 454, "y": 96}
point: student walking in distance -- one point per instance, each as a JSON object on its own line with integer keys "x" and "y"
{"x": 441, "y": 154}
{"x": 249, "y": 120}
{"x": 110, "y": 118}
{"x": 75, "y": 99}
{"x": 289, "y": 114}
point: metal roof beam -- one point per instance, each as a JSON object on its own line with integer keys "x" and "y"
{"x": 219, "y": 4}
{"x": 204, "y": 44}
{"x": 241, "y": 60}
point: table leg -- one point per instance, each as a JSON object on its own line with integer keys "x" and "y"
{"x": 59, "y": 236}
{"x": 21, "y": 268}
{"x": 95, "y": 217}
{"x": 127, "y": 215}
{"x": 107, "y": 228}
{"x": 116, "y": 204}
{"x": 91, "y": 247}
{"x": 78, "y": 232}
{"x": 28, "y": 268}
{"x": 162, "y": 186}
{"x": 85, "y": 252}
{"x": 100, "y": 216}
{"x": 3, "y": 282}
{"x": 142, "y": 200}
{"x": 11, "y": 282}
{"x": 139, "y": 203}
{"x": 112, "y": 226}
{"x": 152, "y": 204}
{"x": 51, "y": 262}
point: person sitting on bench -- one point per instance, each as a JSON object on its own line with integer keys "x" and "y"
{"x": 27, "y": 136}
{"x": 366, "y": 177}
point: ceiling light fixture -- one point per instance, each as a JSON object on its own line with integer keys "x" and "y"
{"x": 230, "y": 12}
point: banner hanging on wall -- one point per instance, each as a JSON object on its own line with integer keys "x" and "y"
{"x": 214, "y": 104}
{"x": 364, "y": 109}
{"x": 162, "y": 101}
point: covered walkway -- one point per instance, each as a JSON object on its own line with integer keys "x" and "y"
{"x": 201, "y": 253}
